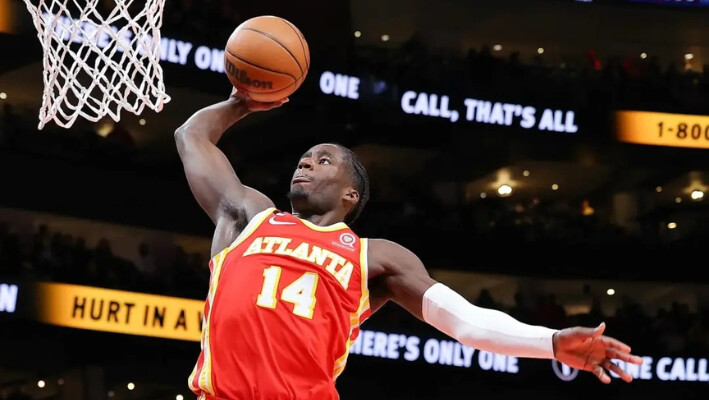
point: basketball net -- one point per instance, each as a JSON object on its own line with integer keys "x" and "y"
{"x": 98, "y": 61}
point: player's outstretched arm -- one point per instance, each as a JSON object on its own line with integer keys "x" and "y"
{"x": 397, "y": 274}
{"x": 210, "y": 175}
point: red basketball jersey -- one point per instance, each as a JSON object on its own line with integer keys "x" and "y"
{"x": 285, "y": 303}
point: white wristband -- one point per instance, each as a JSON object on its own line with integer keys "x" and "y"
{"x": 482, "y": 328}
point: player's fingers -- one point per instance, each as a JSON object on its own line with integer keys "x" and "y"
{"x": 598, "y": 331}
{"x": 601, "y": 374}
{"x": 623, "y": 356}
{"x": 610, "y": 366}
{"x": 278, "y": 103}
{"x": 615, "y": 344}
{"x": 272, "y": 104}
{"x": 242, "y": 94}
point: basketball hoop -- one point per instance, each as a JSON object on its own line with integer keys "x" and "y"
{"x": 98, "y": 62}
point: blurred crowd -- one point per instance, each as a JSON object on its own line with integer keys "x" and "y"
{"x": 584, "y": 81}
{"x": 57, "y": 256}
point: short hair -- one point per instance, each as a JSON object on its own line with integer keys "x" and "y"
{"x": 360, "y": 178}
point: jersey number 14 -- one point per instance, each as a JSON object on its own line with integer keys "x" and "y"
{"x": 300, "y": 292}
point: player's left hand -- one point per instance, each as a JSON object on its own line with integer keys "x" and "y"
{"x": 589, "y": 350}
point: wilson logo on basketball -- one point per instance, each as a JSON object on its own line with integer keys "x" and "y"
{"x": 241, "y": 76}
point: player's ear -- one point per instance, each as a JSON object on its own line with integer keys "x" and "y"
{"x": 351, "y": 195}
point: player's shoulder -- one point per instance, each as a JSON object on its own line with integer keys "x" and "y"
{"x": 262, "y": 213}
{"x": 255, "y": 203}
{"x": 385, "y": 256}
{"x": 382, "y": 246}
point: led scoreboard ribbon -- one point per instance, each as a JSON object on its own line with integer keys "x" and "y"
{"x": 662, "y": 129}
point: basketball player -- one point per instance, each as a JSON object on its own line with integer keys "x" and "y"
{"x": 289, "y": 290}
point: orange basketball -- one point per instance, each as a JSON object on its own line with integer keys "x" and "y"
{"x": 267, "y": 57}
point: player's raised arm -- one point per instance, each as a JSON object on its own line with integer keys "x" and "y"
{"x": 209, "y": 173}
{"x": 399, "y": 275}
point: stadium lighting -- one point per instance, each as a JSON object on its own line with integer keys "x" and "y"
{"x": 504, "y": 190}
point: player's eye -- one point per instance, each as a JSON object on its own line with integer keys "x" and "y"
{"x": 325, "y": 161}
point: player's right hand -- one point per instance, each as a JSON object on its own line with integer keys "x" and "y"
{"x": 589, "y": 350}
{"x": 254, "y": 105}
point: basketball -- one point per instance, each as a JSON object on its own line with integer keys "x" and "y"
{"x": 266, "y": 57}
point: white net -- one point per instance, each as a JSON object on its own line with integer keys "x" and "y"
{"x": 99, "y": 57}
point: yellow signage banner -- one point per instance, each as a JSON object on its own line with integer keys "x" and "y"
{"x": 119, "y": 311}
{"x": 7, "y": 15}
{"x": 662, "y": 129}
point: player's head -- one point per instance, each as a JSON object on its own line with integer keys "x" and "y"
{"x": 329, "y": 177}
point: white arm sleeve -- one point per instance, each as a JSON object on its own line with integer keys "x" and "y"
{"x": 482, "y": 328}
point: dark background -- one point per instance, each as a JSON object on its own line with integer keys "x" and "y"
{"x": 76, "y": 204}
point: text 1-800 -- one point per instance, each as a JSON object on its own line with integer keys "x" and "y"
{"x": 685, "y": 131}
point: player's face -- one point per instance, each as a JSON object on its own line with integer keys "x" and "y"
{"x": 320, "y": 176}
